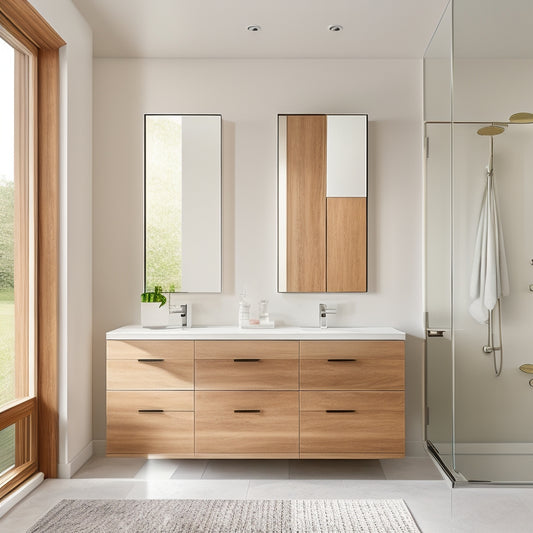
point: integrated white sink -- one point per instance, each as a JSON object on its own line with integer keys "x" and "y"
{"x": 234, "y": 333}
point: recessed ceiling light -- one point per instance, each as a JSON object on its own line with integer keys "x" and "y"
{"x": 335, "y": 27}
{"x": 254, "y": 27}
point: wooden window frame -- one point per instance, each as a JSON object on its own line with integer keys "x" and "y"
{"x": 25, "y": 23}
{"x": 22, "y": 414}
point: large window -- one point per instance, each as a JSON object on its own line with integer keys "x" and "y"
{"x": 29, "y": 117}
{"x": 7, "y": 226}
{"x": 18, "y": 451}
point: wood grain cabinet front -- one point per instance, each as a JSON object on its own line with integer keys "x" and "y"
{"x": 150, "y": 422}
{"x": 169, "y": 350}
{"x": 353, "y": 424}
{"x": 256, "y": 399}
{"x": 246, "y": 365}
{"x": 150, "y": 365}
{"x": 352, "y": 399}
{"x": 352, "y": 365}
{"x": 246, "y": 423}
{"x": 150, "y": 398}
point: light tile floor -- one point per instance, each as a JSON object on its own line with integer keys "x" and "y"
{"x": 435, "y": 506}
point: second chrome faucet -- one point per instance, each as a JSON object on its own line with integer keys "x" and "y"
{"x": 323, "y": 312}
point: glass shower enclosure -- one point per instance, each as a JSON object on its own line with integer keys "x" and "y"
{"x": 478, "y": 73}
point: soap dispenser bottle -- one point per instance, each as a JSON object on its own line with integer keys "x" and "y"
{"x": 244, "y": 311}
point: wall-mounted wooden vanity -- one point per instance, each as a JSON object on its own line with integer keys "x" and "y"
{"x": 229, "y": 393}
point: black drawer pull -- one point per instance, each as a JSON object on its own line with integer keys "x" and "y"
{"x": 340, "y": 411}
{"x": 341, "y": 360}
{"x": 151, "y": 411}
{"x": 246, "y": 360}
{"x": 150, "y": 360}
{"x": 246, "y": 410}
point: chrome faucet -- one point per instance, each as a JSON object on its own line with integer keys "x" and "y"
{"x": 323, "y": 313}
{"x": 181, "y": 311}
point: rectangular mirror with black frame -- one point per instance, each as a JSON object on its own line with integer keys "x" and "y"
{"x": 322, "y": 203}
{"x": 183, "y": 203}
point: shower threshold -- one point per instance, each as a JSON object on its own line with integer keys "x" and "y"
{"x": 484, "y": 469}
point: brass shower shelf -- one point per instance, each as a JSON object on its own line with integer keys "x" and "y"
{"x": 528, "y": 368}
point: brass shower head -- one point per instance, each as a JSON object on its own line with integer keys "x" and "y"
{"x": 494, "y": 129}
{"x": 521, "y": 118}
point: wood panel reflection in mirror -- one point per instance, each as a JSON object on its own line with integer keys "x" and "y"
{"x": 182, "y": 203}
{"x": 322, "y": 203}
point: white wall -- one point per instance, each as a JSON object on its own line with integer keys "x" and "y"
{"x": 249, "y": 95}
{"x": 75, "y": 325}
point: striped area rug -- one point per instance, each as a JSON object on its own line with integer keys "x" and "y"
{"x": 227, "y": 516}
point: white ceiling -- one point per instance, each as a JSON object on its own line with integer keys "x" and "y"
{"x": 290, "y": 28}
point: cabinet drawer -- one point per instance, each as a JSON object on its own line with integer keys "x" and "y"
{"x": 246, "y": 422}
{"x": 348, "y": 365}
{"x": 246, "y": 374}
{"x": 132, "y": 374}
{"x": 356, "y": 400}
{"x": 247, "y": 349}
{"x": 168, "y": 350}
{"x": 333, "y": 422}
{"x": 169, "y": 432}
{"x": 166, "y": 400}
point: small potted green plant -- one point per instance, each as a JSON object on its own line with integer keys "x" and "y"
{"x": 154, "y": 311}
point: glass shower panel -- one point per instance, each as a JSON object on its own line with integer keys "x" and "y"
{"x": 439, "y": 356}
{"x": 493, "y": 50}
{"x": 493, "y": 438}
{"x": 493, "y": 79}
{"x": 479, "y": 422}
{"x": 438, "y": 226}
{"x": 438, "y": 72}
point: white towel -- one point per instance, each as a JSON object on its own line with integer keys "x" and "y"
{"x": 490, "y": 276}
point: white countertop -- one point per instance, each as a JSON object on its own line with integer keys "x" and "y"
{"x": 137, "y": 332}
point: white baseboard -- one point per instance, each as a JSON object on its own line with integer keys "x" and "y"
{"x": 486, "y": 448}
{"x": 99, "y": 448}
{"x": 67, "y": 470}
{"x": 21, "y": 492}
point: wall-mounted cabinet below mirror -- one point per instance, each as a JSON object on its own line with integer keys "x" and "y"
{"x": 183, "y": 176}
{"x": 322, "y": 203}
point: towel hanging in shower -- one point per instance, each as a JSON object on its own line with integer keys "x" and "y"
{"x": 490, "y": 276}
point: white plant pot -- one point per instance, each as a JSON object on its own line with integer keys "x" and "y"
{"x": 154, "y": 315}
